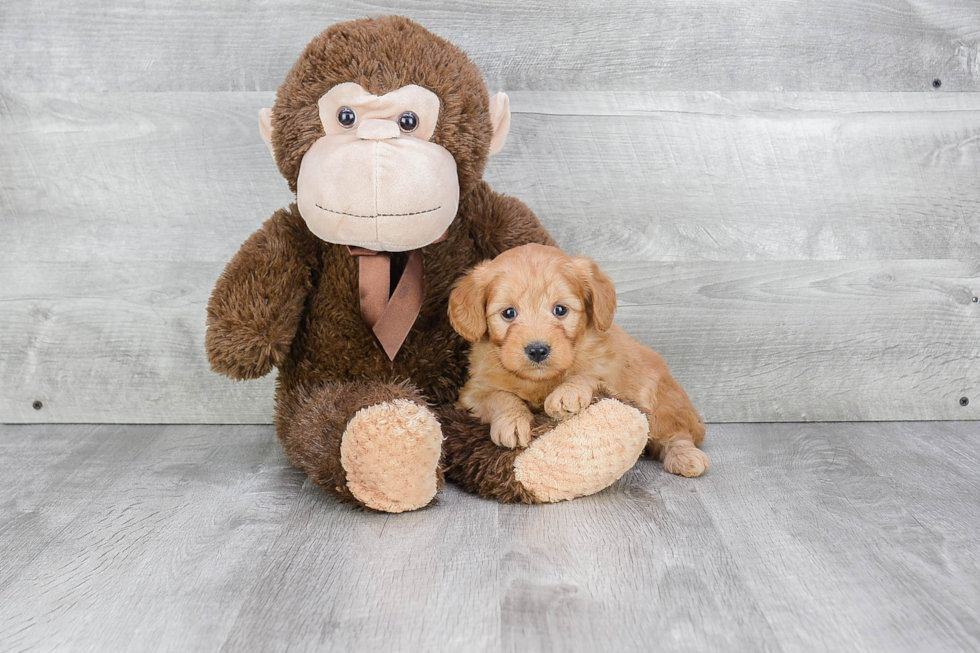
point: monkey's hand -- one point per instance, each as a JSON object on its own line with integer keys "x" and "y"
{"x": 258, "y": 301}
{"x": 569, "y": 398}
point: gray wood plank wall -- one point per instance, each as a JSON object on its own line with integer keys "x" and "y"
{"x": 789, "y": 205}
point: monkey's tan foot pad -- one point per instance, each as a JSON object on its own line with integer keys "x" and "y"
{"x": 685, "y": 459}
{"x": 390, "y": 452}
{"x": 584, "y": 454}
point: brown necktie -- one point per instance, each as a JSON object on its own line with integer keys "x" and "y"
{"x": 391, "y": 318}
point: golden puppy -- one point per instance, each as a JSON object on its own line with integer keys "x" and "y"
{"x": 543, "y": 333}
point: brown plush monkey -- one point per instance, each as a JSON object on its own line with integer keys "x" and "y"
{"x": 383, "y": 129}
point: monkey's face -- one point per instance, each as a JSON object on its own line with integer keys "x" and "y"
{"x": 380, "y": 127}
{"x": 374, "y": 179}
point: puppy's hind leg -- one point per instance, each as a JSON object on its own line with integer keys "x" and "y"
{"x": 676, "y": 430}
{"x": 683, "y": 458}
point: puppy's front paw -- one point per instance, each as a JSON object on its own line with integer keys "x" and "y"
{"x": 511, "y": 430}
{"x": 566, "y": 400}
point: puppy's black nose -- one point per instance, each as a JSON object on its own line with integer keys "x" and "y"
{"x": 537, "y": 351}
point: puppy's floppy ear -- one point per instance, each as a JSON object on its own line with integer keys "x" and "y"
{"x": 600, "y": 293}
{"x": 468, "y": 303}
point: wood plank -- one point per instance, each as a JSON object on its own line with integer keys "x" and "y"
{"x": 52, "y": 45}
{"x": 200, "y": 538}
{"x": 626, "y": 176}
{"x": 119, "y": 211}
{"x": 752, "y": 341}
{"x": 45, "y": 492}
{"x": 162, "y": 550}
{"x": 421, "y": 581}
{"x": 747, "y": 176}
{"x": 935, "y": 485}
{"x": 153, "y": 177}
{"x": 838, "y": 540}
{"x": 116, "y": 343}
{"x": 812, "y": 341}
{"x": 649, "y": 572}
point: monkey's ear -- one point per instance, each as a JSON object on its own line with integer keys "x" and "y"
{"x": 265, "y": 129}
{"x": 499, "y": 120}
{"x": 600, "y": 292}
{"x": 468, "y": 304}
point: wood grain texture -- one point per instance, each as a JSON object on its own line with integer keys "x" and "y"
{"x": 801, "y": 341}
{"x": 798, "y": 243}
{"x": 625, "y": 176}
{"x": 149, "y": 542}
{"x": 839, "y": 539}
{"x": 203, "y": 538}
{"x": 119, "y": 343}
{"x": 619, "y": 44}
{"x": 746, "y": 176}
{"x": 423, "y": 581}
{"x": 143, "y": 177}
{"x": 755, "y": 341}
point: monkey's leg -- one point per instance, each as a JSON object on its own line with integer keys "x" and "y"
{"x": 580, "y": 456}
{"x": 372, "y": 444}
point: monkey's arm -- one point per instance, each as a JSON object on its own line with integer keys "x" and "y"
{"x": 500, "y": 222}
{"x": 258, "y": 301}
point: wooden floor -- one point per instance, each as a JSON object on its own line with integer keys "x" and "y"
{"x": 802, "y": 537}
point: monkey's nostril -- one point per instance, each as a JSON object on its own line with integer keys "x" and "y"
{"x": 537, "y": 351}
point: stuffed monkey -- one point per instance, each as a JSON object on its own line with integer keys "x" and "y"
{"x": 382, "y": 130}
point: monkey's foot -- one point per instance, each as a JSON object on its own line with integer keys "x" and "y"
{"x": 584, "y": 454}
{"x": 390, "y": 453}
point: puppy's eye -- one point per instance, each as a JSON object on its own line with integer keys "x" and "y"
{"x": 508, "y": 314}
{"x": 346, "y": 117}
{"x": 560, "y": 311}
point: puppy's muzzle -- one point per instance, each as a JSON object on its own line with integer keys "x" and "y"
{"x": 537, "y": 351}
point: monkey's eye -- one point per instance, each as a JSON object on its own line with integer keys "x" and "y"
{"x": 560, "y": 311}
{"x": 408, "y": 122}
{"x": 346, "y": 117}
{"x": 508, "y": 314}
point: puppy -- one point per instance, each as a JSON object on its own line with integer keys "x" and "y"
{"x": 544, "y": 339}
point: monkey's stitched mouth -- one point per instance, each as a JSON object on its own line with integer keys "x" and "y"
{"x": 379, "y": 215}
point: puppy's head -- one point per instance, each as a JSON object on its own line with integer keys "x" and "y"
{"x": 533, "y": 303}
